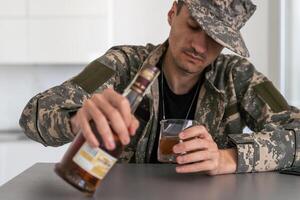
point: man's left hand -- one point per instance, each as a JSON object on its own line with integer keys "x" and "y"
{"x": 201, "y": 154}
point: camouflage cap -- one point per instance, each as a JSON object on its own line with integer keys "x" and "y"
{"x": 222, "y": 20}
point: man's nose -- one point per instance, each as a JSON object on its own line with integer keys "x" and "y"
{"x": 200, "y": 42}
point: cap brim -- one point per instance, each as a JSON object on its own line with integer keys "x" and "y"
{"x": 218, "y": 30}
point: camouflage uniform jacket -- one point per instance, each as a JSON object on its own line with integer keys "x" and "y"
{"x": 233, "y": 95}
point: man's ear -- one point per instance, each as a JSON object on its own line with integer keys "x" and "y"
{"x": 172, "y": 12}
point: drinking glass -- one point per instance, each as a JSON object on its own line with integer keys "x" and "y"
{"x": 168, "y": 137}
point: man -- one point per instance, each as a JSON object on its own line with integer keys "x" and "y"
{"x": 230, "y": 93}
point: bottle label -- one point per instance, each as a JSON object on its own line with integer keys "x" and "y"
{"x": 94, "y": 160}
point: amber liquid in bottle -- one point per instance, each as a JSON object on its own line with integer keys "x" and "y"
{"x": 84, "y": 167}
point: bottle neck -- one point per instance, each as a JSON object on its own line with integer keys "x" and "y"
{"x": 136, "y": 90}
{"x": 134, "y": 98}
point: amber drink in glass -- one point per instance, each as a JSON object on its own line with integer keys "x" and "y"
{"x": 168, "y": 137}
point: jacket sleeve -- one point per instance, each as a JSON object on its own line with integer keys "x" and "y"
{"x": 46, "y": 117}
{"x": 275, "y": 140}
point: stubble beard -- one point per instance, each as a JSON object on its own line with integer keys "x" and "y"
{"x": 185, "y": 69}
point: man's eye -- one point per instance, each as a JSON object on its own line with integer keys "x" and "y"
{"x": 193, "y": 27}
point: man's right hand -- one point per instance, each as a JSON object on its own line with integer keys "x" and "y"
{"x": 111, "y": 114}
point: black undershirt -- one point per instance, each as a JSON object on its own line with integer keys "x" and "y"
{"x": 176, "y": 107}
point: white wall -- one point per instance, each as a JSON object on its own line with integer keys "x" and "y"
{"x": 56, "y": 31}
{"x": 140, "y": 21}
{"x": 261, "y": 35}
{"x": 256, "y": 33}
{"x": 292, "y": 42}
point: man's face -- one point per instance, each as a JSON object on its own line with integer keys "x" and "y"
{"x": 191, "y": 48}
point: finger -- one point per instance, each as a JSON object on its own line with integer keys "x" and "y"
{"x": 194, "y": 157}
{"x": 85, "y": 128}
{"x": 119, "y": 127}
{"x": 75, "y": 124}
{"x": 195, "y": 131}
{"x": 133, "y": 126}
{"x": 102, "y": 125}
{"x": 114, "y": 117}
{"x": 191, "y": 145}
{"x": 121, "y": 103}
{"x": 207, "y": 165}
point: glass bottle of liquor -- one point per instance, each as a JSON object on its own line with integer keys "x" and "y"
{"x": 84, "y": 167}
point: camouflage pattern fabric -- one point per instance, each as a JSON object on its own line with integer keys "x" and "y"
{"x": 233, "y": 95}
{"x": 222, "y": 20}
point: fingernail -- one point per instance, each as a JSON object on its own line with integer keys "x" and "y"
{"x": 178, "y": 169}
{"x": 132, "y": 131}
{"x": 111, "y": 143}
{"x": 181, "y": 135}
{"x": 179, "y": 159}
{"x": 94, "y": 145}
{"x": 175, "y": 149}
{"x": 126, "y": 141}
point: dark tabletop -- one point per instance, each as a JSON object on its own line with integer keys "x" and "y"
{"x": 153, "y": 181}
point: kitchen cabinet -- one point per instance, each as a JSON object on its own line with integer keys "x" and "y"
{"x": 53, "y": 31}
{"x": 76, "y": 31}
